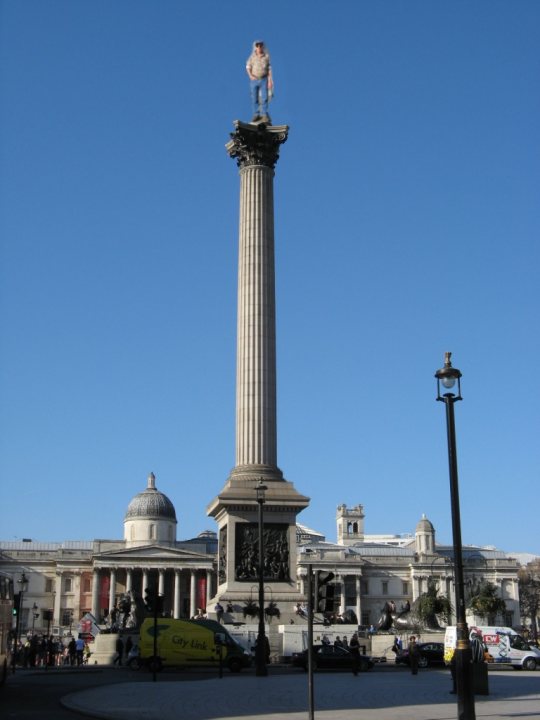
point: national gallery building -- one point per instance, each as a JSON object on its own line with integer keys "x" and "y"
{"x": 75, "y": 577}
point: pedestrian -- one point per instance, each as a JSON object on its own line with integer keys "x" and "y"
{"x": 72, "y": 651}
{"x": 219, "y": 611}
{"x": 261, "y": 84}
{"x": 345, "y": 642}
{"x": 414, "y": 655}
{"x": 79, "y": 645}
{"x": 354, "y": 649}
{"x": 119, "y": 652}
{"x": 337, "y": 642}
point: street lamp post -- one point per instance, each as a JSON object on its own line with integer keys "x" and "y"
{"x": 35, "y": 616}
{"x": 448, "y": 376}
{"x": 23, "y": 584}
{"x": 260, "y": 654}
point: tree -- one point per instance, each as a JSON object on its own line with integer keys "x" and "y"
{"x": 430, "y": 604}
{"x": 485, "y": 602}
{"x": 529, "y": 594}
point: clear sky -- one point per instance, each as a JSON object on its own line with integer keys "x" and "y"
{"x": 407, "y": 224}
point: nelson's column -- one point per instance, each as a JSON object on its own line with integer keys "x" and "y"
{"x": 256, "y": 149}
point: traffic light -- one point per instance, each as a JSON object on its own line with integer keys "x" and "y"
{"x": 16, "y": 604}
{"x": 325, "y": 591}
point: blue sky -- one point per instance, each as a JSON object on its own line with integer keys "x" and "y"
{"x": 407, "y": 224}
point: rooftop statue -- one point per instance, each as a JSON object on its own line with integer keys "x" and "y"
{"x": 261, "y": 83}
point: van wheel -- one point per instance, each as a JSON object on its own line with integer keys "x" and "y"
{"x": 529, "y": 664}
{"x": 235, "y": 666}
{"x": 155, "y": 664}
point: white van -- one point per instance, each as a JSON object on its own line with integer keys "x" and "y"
{"x": 502, "y": 644}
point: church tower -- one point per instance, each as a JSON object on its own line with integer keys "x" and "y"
{"x": 350, "y": 525}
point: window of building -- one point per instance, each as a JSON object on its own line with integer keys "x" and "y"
{"x": 68, "y": 584}
{"x": 405, "y": 588}
{"x": 364, "y": 587}
{"x": 48, "y": 585}
{"x": 152, "y": 532}
{"x": 87, "y": 584}
{"x": 366, "y": 618}
{"x": 385, "y": 587}
{"x": 67, "y": 617}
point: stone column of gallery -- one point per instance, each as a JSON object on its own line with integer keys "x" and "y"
{"x": 256, "y": 150}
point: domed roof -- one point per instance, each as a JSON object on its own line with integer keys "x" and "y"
{"x": 151, "y": 503}
{"x": 425, "y": 525}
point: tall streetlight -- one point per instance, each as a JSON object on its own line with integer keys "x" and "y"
{"x": 35, "y": 616}
{"x": 260, "y": 651}
{"x": 448, "y": 376}
{"x": 22, "y": 582}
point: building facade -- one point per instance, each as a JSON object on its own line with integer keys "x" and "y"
{"x": 73, "y": 578}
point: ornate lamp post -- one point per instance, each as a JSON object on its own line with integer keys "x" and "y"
{"x": 35, "y": 616}
{"x": 260, "y": 655}
{"x": 448, "y": 376}
{"x": 23, "y": 584}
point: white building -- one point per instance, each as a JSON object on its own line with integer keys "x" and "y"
{"x": 74, "y": 577}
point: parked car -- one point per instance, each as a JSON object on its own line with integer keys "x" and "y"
{"x": 331, "y": 656}
{"x": 431, "y": 653}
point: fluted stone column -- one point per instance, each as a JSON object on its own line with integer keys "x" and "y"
{"x": 209, "y": 593}
{"x": 161, "y": 582}
{"x": 112, "y": 588}
{"x": 256, "y": 151}
{"x": 95, "y": 594}
{"x": 129, "y": 579}
{"x": 177, "y": 597}
{"x": 144, "y": 581}
{"x": 57, "y": 598}
{"x": 192, "y": 594}
{"x": 359, "y": 599}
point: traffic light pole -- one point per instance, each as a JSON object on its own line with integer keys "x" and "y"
{"x": 311, "y": 705}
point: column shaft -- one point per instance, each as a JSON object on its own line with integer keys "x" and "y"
{"x": 192, "y": 594}
{"x": 95, "y": 595}
{"x": 256, "y": 339}
{"x": 177, "y": 596}
{"x": 112, "y": 589}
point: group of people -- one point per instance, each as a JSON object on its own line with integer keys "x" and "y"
{"x": 52, "y": 651}
{"x": 352, "y": 645}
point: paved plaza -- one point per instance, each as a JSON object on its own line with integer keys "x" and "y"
{"x": 377, "y": 695}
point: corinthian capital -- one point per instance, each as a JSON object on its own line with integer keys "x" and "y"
{"x": 256, "y": 144}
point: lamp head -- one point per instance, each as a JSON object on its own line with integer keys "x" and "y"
{"x": 260, "y": 490}
{"x": 448, "y": 376}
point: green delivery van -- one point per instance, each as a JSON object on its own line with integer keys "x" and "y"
{"x": 183, "y": 643}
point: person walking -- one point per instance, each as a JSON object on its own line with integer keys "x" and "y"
{"x": 261, "y": 84}
{"x": 414, "y": 655}
{"x": 354, "y": 649}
